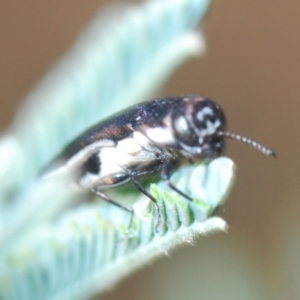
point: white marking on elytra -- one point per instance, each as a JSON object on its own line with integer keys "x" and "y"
{"x": 141, "y": 139}
{"x": 160, "y": 135}
{"x": 133, "y": 145}
{"x": 87, "y": 151}
{"x": 128, "y": 146}
{"x": 203, "y": 112}
{"x": 117, "y": 160}
{"x": 81, "y": 156}
{"x": 113, "y": 158}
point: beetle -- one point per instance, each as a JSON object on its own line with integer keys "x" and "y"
{"x": 154, "y": 136}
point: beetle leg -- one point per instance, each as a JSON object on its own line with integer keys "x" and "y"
{"x": 168, "y": 167}
{"x": 108, "y": 199}
{"x": 145, "y": 192}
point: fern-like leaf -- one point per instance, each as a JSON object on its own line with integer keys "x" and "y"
{"x": 90, "y": 248}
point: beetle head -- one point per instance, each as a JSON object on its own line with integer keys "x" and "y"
{"x": 196, "y": 125}
{"x": 200, "y": 128}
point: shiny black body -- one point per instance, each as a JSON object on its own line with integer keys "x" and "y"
{"x": 147, "y": 114}
{"x": 154, "y": 136}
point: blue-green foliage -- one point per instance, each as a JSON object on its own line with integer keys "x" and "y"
{"x": 51, "y": 248}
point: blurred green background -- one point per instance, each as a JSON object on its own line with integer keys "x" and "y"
{"x": 252, "y": 69}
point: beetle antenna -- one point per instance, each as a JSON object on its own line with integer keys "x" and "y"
{"x": 248, "y": 142}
